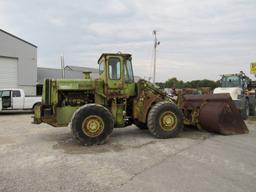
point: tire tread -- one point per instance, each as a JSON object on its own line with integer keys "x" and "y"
{"x": 76, "y": 118}
{"x": 151, "y": 118}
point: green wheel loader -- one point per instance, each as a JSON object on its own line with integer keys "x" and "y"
{"x": 94, "y": 107}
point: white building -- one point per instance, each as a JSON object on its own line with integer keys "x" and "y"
{"x": 18, "y": 63}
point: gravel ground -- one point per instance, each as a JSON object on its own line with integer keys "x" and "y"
{"x": 42, "y": 158}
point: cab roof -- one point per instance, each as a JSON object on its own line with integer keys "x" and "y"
{"x": 114, "y": 54}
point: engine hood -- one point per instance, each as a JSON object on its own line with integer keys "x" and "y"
{"x": 233, "y": 91}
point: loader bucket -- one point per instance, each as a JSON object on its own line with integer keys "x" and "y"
{"x": 214, "y": 113}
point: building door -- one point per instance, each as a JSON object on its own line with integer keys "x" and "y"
{"x": 8, "y": 72}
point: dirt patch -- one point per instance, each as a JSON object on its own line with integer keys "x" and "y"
{"x": 6, "y": 140}
{"x": 70, "y": 146}
{"x": 194, "y": 133}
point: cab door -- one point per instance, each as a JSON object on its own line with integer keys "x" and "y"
{"x": 129, "y": 86}
{"x": 17, "y": 99}
{"x": 6, "y": 99}
{"x": 115, "y": 77}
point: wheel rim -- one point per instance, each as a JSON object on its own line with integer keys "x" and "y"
{"x": 93, "y": 126}
{"x": 168, "y": 121}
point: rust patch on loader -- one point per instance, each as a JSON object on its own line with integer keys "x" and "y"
{"x": 214, "y": 112}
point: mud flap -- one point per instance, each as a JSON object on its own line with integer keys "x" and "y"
{"x": 214, "y": 113}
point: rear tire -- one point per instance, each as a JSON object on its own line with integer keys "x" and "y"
{"x": 165, "y": 120}
{"x": 92, "y": 124}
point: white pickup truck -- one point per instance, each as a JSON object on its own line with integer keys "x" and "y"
{"x": 15, "y": 100}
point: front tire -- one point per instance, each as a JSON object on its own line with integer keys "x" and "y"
{"x": 165, "y": 120}
{"x": 92, "y": 124}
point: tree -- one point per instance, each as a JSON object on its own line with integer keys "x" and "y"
{"x": 175, "y": 83}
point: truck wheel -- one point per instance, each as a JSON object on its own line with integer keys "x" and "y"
{"x": 165, "y": 120}
{"x": 141, "y": 125}
{"x": 246, "y": 110}
{"x": 92, "y": 124}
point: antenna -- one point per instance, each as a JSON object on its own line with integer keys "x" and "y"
{"x": 156, "y": 43}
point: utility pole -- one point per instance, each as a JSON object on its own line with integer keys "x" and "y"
{"x": 62, "y": 66}
{"x": 156, "y": 43}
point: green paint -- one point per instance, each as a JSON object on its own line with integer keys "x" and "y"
{"x": 64, "y": 115}
{"x": 115, "y": 89}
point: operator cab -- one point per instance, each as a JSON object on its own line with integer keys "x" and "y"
{"x": 117, "y": 73}
{"x": 234, "y": 80}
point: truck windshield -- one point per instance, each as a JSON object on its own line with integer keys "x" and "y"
{"x": 1, "y": 92}
{"x": 128, "y": 71}
{"x": 231, "y": 81}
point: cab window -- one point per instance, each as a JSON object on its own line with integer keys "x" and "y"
{"x": 101, "y": 70}
{"x": 114, "y": 68}
{"x": 6, "y": 94}
{"x": 128, "y": 72}
{"x": 231, "y": 81}
{"x": 16, "y": 94}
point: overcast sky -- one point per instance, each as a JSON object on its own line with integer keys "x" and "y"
{"x": 199, "y": 39}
